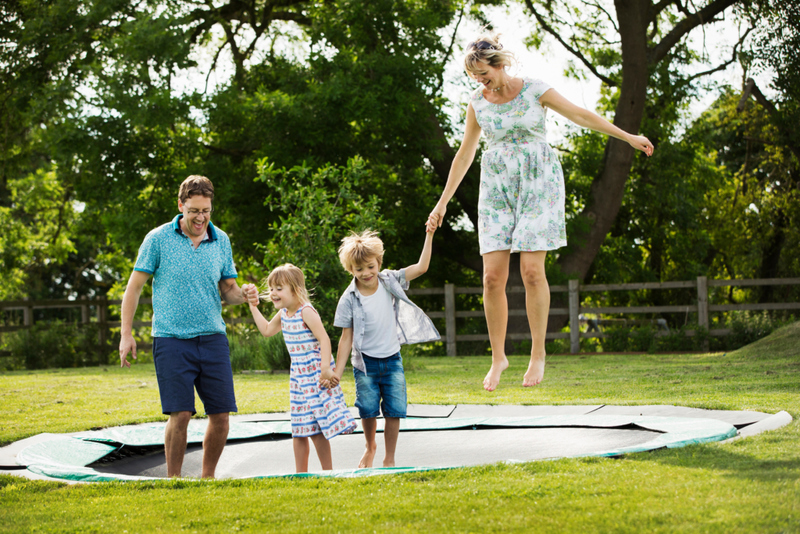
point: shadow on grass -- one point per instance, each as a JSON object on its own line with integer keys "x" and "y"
{"x": 737, "y": 459}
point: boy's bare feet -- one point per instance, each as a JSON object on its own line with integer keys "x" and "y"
{"x": 493, "y": 376}
{"x": 535, "y": 373}
{"x": 388, "y": 462}
{"x": 368, "y": 457}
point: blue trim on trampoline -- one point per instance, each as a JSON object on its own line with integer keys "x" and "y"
{"x": 68, "y": 457}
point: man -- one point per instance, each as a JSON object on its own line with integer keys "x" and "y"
{"x": 192, "y": 267}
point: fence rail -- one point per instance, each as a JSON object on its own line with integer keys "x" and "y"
{"x": 574, "y": 310}
{"x": 574, "y": 289}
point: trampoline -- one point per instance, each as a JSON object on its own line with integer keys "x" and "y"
{"x": 433, "y": 437}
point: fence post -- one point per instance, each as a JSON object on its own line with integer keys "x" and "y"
{"x": 27, "y": 315}
{"x": 450, "y": 318}
{"x": 702, "y": 306}
{"x": 574, "y": 321}
{"x": 102, "y": 324}
{"x": 84, "y": 312}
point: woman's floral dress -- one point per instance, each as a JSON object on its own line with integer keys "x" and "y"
{"x": 521, "y": 202}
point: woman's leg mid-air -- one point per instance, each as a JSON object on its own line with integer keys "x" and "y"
{"x": 537, "y": 303}
{"x": 495, "y": 306}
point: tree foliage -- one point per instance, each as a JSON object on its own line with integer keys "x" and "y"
{"x": 107, "y": 105}
{"x": 316, "y": 208}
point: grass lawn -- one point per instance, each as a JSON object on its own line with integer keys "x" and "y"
{"x": 751, "y": 485}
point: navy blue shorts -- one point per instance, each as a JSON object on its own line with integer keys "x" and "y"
{"x": 382, "y": 388}
{"x": 201, "y": 362}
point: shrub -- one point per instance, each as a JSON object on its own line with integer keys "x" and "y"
{"x": 616, "y": 339}
{"x": 556, "y": 346}
{"x": 678, "y": 341}
{"x": 642, "y": 339}
{"x": 747, "y": 327}
{"x": 56, "y": 344}
{"x": 256, "y": 352}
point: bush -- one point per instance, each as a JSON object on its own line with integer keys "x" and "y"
{"x": 678, "y": 341}
{"x": 56, "y": 344}
{"x": 748, "y": 327}
{"x": 319, "y": 207}
{"x": 256, "y": 352}
{"x": 616, "y": 339}
{"x": 556, "y": 346}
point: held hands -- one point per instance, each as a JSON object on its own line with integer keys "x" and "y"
{"x": 436, "y": 218}
{"x": 328, "y": 379}
{"x": 640, "y": 142}
{"x": 250, "y": 294}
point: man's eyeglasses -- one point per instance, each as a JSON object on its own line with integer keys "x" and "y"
{"x": 484, "y": 45}
{"x": 195, "y": 211}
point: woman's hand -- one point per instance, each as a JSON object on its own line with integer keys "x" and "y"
{"x": 640, "y": 142}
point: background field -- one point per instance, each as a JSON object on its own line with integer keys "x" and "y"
{"x": 752, "y": 485}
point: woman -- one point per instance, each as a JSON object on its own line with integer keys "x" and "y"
{"x": 521, "y": 202}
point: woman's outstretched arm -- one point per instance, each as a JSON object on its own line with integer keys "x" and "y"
{"x": 589, "y": 119}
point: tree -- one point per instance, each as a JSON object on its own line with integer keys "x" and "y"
{"x": 643, "y": 37}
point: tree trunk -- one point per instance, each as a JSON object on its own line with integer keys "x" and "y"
{"x": 608, "y": 187}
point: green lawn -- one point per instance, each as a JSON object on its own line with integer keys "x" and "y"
{"x": 752, "y": 485}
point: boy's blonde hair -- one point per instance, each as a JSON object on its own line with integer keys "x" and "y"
{"x": 356, "y": 249}
{"x": 287, "y": 275}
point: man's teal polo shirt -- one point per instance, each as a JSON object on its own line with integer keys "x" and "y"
{"x": 186, "y": 299}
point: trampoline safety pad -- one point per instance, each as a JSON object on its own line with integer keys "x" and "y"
{"x": 437, "y": 437}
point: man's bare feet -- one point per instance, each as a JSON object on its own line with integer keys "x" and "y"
{"x": 387, "y": 462}
{"x": 493, "y": 376}
{"x": 368, "y": 457}
{"x": 535, "y": 373}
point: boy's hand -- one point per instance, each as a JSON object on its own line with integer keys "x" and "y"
{"x": 327, "y": 378}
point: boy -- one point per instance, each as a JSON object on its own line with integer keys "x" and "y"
{"x": 376, "y": 317}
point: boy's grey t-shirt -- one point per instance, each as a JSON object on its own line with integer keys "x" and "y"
{"x": 411, "y": 323}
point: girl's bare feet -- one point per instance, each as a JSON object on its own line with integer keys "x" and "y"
{"x": 535, "y": 373}
{"x": 493, "y": 376}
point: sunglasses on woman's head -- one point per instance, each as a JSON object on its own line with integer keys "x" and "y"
{"x": 483, "y": 45}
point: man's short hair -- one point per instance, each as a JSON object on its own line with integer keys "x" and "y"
{"x": 356, "y": 249}
{"x": 196, "y": 185}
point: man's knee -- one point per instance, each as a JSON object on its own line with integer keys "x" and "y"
{"x": 219, "y": 421}
{"x": 180, "y": 419}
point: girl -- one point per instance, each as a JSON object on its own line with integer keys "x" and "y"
{"x": 317, "y": 413}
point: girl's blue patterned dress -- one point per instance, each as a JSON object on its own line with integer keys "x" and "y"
{"x": 314, "y": 409}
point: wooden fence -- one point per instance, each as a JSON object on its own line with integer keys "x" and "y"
{"x": 97, "y": 310}
{"x": 575, "y": 290}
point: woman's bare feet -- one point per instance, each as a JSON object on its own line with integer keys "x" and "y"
{"x": 535, "y": 373}
{"x": 493, "y": 376}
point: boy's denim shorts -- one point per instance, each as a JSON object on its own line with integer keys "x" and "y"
{"x": 382, "y": 388}
{"x": 202, "y": 362}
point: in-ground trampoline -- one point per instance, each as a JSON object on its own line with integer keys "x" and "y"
{"x": 433, "y": 437}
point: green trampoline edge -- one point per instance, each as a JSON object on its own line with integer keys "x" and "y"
{"x": 48, "y": 459}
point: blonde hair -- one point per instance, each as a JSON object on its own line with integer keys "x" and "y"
{"x": 356, "y": 249}
{"x": 287, "y": 275}
{"x": 487, "y": 48}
